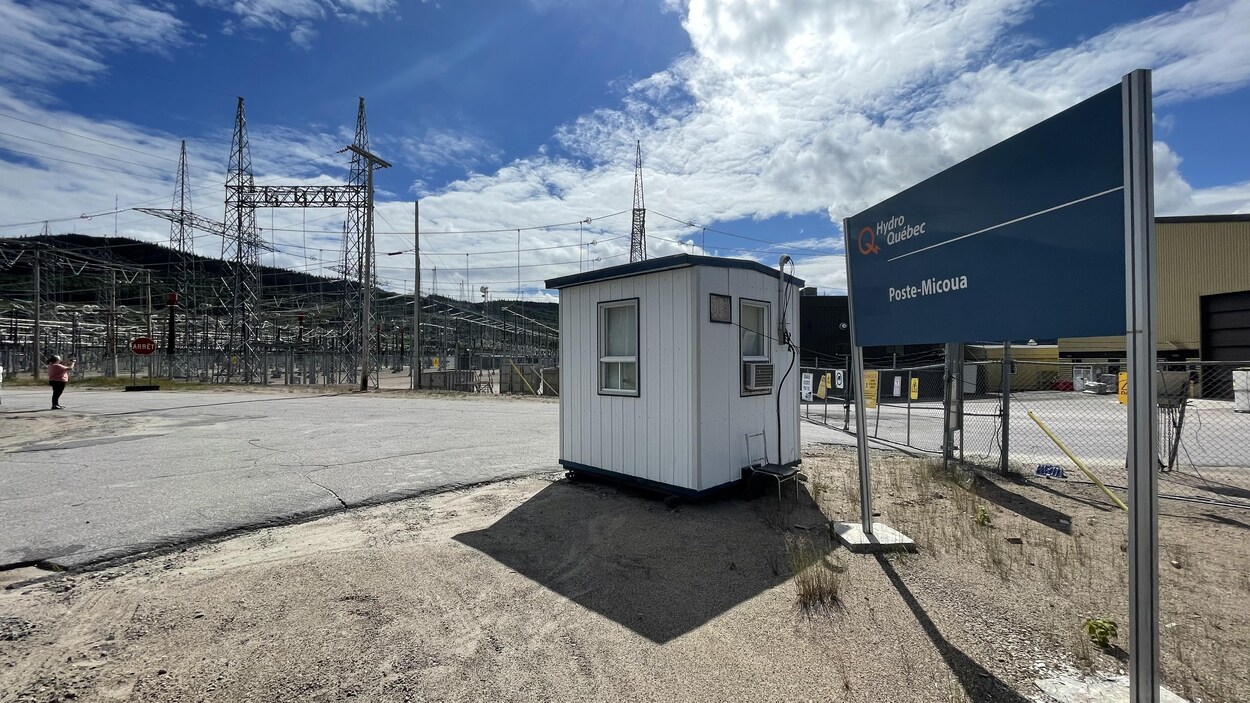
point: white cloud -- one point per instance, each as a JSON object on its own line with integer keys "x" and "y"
{"x": 781, "y": 108}
{"x": 44, "y": 42}
{"x": 303, "y": 35}
{"x": 296, "y": 15}
{"x": 439, "y": 148}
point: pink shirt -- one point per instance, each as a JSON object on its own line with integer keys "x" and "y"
{"x": 58, "y": 372}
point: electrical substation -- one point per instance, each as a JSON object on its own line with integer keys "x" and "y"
{"x": 234, "y": 320}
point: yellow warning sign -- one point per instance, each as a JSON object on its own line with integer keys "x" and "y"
{"x": 915, "y": 389}
{"x": 870, "y": 388}
{"x": 821, "y": 388}
{"x": 1122, "y": 388}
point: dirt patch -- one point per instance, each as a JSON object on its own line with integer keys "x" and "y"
{"x": 547, "y": 589}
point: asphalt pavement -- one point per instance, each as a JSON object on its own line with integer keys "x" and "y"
{"x": 122, "y": 473}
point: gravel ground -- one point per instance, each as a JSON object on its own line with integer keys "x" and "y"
{"x": 544, "y": 589}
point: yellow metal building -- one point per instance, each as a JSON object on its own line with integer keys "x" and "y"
{"x": 1036, "y": 366}
{"x": 1204, "y": 282}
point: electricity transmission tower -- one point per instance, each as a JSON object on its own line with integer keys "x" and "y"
{"x": 182, "y": 247}
{"x": 638, "y": 233}
{"x": 354, "y": 255}
{"x": 241, "y": 244}
{"x": 181, "y": 231}
{"x": 240, "y": 249}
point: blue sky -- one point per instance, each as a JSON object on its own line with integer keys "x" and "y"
{"x": 766, "y": 120}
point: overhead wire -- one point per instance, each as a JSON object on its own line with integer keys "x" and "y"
{"x": 691, "y": 224}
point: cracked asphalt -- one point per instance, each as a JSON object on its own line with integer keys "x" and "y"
{"x": 118, "y": 474}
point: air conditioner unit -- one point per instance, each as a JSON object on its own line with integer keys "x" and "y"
{"x": 757, "y": 376}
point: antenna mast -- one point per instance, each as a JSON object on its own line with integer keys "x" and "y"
{"x": 638, "y": 234}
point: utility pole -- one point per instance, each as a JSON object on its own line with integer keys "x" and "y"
{"x": 416, "y": 297}
{"x": 38, "y": 316}
{"x": 366, "y": 274}
{"x": 147, "y": 285}
{"x": 111, "y": 333}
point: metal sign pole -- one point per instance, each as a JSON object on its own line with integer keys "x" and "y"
{"x": 865, "y": 536}
{"x": 1143, "y": 487}
{"x": 861, "y": 422}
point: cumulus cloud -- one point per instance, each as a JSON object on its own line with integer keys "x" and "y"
{"x": 780, "y": 109}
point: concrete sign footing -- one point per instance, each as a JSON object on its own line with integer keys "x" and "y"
{"x": 1113, "y": 689}
{"x": 883, "y": 538}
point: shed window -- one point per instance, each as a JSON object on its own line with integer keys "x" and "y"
{"x": 754, "y": 331}
{"x": 618, "y": 348}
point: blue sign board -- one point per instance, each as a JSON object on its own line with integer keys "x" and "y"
{"x": 1024, "y": 240}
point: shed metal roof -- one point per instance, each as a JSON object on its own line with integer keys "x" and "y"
{"x": 665, "y": 263}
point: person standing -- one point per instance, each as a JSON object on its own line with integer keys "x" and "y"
{"x": 58, "y": 377}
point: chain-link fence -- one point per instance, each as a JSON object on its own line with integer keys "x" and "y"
{"x": 909, "y": 407}
{"x": 1204, "y": 430}
{"x": 1203, "y": 407}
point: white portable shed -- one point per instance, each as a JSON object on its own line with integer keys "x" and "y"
{"x": 666, "y": 365}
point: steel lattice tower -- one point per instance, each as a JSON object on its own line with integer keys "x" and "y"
{"x": 182, "y": 241}
{"x": 355, "y": 278}
{"x": 181, "y": 233}
{"x": 638, "y": 234}
{"x": 240, "y": 248}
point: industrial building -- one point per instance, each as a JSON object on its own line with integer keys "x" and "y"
{"x": 1204, "y": 294}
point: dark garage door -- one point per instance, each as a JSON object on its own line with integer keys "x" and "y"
{"x": 1225, "y": 337}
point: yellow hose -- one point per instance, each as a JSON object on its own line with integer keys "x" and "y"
{"x": 1114, "y": 498}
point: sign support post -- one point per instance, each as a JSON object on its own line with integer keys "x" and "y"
{"x": 861, "y": 422}
{"x": 865, "y": 536}
{"x": 1143, "y": 486}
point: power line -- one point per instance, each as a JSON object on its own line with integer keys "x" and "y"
{"x": 688, "y": 223}
{"x": 80, "y": 151}
{"x": 512, "y": 230}
{"x": 83, "y": 136}
{"x": 79, "y": 163}
{"x": 160, "y": 199}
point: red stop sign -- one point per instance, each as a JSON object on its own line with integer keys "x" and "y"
{"x": 143, "y": 346}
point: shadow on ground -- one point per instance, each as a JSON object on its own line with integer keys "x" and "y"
{"x": 662, "y": 576}
{"x": 977, "y": 682}
{"x": 1024, "y": 507}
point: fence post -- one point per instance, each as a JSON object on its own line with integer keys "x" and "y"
{"x": 948, "y": 400}
{"x": 828, "y": 391}
{"x": 1005, "y": 420}
{"x": 908, "y": 390}
{"x": 846, "y": 396}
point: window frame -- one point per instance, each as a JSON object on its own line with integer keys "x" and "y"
{"x": 601, "y": 359}
{"x": 742, "y": 329}
{"x": 768, "y": 347}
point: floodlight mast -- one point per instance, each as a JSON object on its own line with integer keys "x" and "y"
{"x": 367, "y": 269}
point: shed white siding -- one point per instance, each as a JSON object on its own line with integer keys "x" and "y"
{"x": 651, "y": 436}
{"x": 726, "y": 416}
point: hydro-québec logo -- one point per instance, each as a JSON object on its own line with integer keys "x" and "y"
{"x": 889, "y": 232}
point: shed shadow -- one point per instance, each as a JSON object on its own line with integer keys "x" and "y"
{"x": 626, "y": 555}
